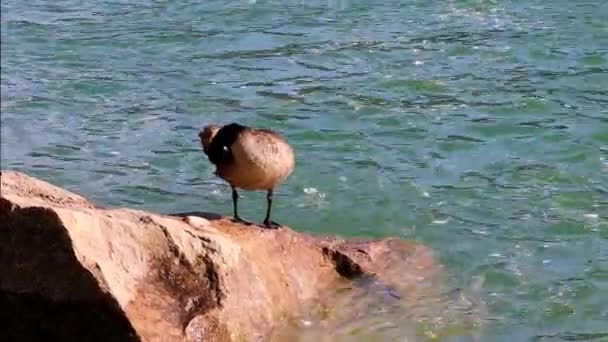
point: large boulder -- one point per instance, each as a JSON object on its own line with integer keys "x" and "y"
{"x": 70, "y": 270}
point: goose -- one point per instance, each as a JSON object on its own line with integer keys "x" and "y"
{"x": 249, "y": 159}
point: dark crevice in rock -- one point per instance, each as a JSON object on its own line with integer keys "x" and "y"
{"x": 173, "y": 248}
{"x": 212, "y": 275}
{"x": 344, "y": 265}
{"x": 196, "y": 287}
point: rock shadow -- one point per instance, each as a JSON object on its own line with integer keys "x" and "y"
{"x": 45, "y": 293}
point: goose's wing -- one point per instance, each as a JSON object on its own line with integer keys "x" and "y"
{"x": 263, "y": 148}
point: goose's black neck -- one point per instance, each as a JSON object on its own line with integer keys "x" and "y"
{"x": 220, "y": 150}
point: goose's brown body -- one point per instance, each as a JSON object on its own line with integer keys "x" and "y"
{"x": 248, "y": 158}
{"x": 261, "y": 160}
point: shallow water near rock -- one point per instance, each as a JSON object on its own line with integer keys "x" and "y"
{"x": 479, "y": 128}
{"x": 367, "y": 310}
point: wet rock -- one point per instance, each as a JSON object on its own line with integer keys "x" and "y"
{"x": 71, "y": 270}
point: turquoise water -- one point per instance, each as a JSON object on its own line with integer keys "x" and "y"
{"x": 477, "y": 127}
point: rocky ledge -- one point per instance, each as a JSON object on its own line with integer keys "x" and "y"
{"x": 70, "y": 270}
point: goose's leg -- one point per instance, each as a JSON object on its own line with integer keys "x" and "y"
{"x": 235, "y": 198}
{"x": 267, "y": 222}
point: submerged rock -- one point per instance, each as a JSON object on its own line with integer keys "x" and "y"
{"x": 70, "y": 270}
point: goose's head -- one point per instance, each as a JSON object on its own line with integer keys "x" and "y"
{"x": 207, "y": 135}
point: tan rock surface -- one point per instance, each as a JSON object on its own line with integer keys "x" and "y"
{"x": 70, "y": 270}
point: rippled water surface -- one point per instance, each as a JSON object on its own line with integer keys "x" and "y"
{"x": 477, "y": 127}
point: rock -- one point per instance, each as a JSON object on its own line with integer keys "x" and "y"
{"x": 70, "y": 270}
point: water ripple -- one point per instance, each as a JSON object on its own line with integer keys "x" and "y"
{"x": 476, "y": 127}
